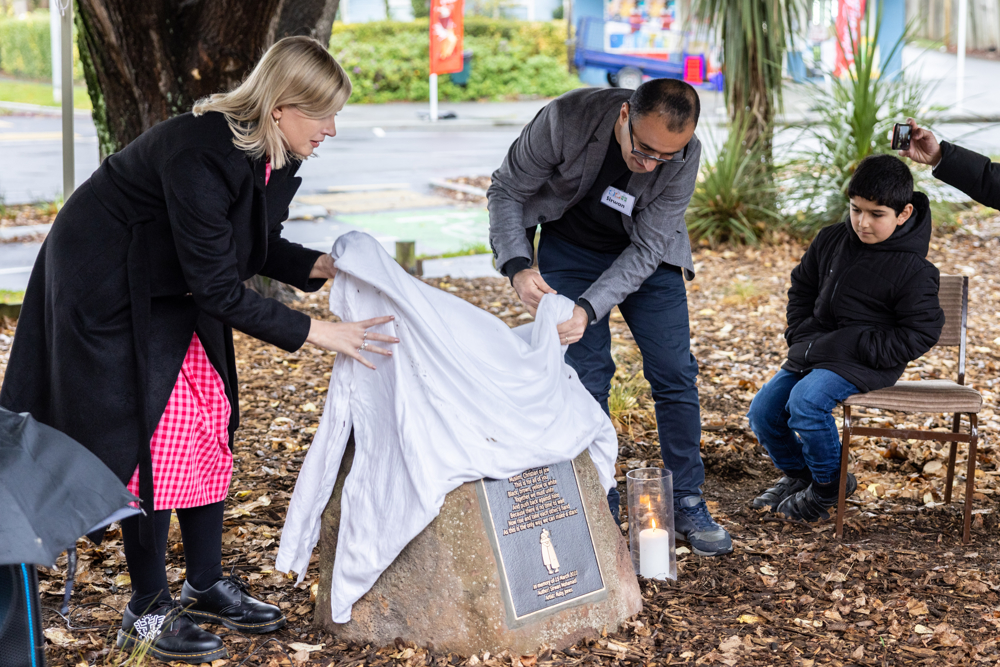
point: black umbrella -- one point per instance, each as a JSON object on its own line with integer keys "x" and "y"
{"x": 52, "y": 491}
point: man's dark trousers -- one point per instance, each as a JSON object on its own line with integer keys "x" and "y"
{"x": 657, "y": 316}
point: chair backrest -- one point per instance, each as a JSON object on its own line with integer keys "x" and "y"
{"x": 953, "y": 295}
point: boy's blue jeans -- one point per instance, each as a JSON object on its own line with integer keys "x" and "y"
{"x": 657, "y": 316}
{"x": 792, "y": 417}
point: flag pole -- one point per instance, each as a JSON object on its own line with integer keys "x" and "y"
{"x": 434, "y": 98}
{"x": 69, "y": 160}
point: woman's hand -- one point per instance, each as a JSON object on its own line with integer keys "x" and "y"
{"x": 323, "y": 268}
{"x": 350, "y": 337}
{"x": 924, "y": 146}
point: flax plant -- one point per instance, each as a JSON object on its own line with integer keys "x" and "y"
{"x": 735, "y": 199}
{"x": 855, "y": 114}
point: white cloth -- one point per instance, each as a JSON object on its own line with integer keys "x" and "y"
{"x": 464, "y": 397}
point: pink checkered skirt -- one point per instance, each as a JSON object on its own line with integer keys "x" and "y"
{"x": 192, "y": 463}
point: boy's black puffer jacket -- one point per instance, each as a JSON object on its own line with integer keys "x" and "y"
{"x": 863, "y": 310}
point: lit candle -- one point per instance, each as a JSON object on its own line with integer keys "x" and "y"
{"x": 654, "y": 553}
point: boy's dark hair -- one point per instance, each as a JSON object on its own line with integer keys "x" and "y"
{"x": 673, "y": 99}
{"x": 883, "y": 179}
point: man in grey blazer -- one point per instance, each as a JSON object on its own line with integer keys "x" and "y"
{"x": 608, "y": 173}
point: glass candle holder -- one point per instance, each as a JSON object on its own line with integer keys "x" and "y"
{"x": 651, "y": 522}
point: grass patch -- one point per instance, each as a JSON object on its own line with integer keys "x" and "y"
{"x": 467, "y": 249}
{"x": 33, "y": 92}
{"x": 10, "y": 296}
{"x": 741, "y": 292}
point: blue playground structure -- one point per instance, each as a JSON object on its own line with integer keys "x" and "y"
{"x": 627, "y": 71}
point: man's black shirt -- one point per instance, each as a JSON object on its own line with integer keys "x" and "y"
{"x": 591, "y": 224}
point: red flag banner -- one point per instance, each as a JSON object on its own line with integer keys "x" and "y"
{"x": 848, "y": 19}
{"x": 446, "y": 36}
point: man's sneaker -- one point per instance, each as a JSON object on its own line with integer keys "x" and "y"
{"x": 808, "y": 507}
{"x": 170, "y": 635}
{"x": 783, "y": 488}
{"x": 695, "y": 525}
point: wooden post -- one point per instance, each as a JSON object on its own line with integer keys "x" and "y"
{"x": 406, "y": 255}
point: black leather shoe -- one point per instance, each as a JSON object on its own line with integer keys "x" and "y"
{"x": 228, "y": 602}
{"x": 783, "y": 488}
{"x": 808, "y": 506}
{"x": 170, "y": 634}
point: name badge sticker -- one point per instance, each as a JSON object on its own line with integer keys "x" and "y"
{"x": 619, "y": 200}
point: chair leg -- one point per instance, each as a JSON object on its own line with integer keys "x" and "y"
{"x": 845, "y": 446}
{"x": 956, "y": 424}
{"x": 970, "y": 482}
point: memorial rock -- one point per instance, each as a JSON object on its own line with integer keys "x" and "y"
{"x": 508, "y": 564}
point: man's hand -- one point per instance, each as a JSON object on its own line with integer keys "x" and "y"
{"x": 924, "y": 147}
{"x": 530, "y": 287}
{"x": 572, "y": 329}
{"x": 323, "y": 268}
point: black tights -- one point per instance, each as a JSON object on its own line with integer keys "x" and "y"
{"x": 201, "y": 529}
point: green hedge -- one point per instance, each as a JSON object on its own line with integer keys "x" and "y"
{"x": 388, "y": 60}
{"x": 25, "y": 48}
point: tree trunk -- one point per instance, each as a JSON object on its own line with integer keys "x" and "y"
{"x": 147, "y": 61}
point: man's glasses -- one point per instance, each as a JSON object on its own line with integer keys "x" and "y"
{"x": 673, "y": 159}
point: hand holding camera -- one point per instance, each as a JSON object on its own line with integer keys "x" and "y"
{"x": 916, "y": 143}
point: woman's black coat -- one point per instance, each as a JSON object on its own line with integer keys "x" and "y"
{"x": 863, "y": 310}
{"x": 153, "y": 247}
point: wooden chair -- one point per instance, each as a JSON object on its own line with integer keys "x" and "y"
{"x": 927, "y": 396}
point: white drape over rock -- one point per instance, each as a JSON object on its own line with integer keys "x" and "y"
{"x": 464, "y": 397}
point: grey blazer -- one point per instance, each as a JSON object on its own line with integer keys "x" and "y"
{"x": 553, "y": 164}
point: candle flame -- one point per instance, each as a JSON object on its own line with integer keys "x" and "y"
{"x": 654, "y": 524}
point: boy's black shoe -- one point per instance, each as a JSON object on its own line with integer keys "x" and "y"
{"x": 171, "y": 635}
{"x": 228, "y": 602}
{"x": 783, "y": 488}
{"x": 808, "y": 506}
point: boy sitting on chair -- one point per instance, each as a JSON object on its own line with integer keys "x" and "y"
{"x": 863, "y": 303}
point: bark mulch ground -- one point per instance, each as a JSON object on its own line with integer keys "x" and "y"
{"x": 900, "y": 589}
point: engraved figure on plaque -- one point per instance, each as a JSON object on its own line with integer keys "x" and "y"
{"x": 549, "y": 559}
{"x": 532, "y": 515}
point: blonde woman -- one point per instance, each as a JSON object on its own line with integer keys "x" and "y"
{"x": 125, "y": 337}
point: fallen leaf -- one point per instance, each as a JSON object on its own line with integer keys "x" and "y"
{"x": 731, "y": 644}
{"x": 916, "y": 607}
{"x": 859, "y": 653}
{"x": 944, "y": 634}
{"x": 308, "y": 648}
{"x": 922, "y": 630}
{"x": 749, "y": 618}
{"x": 59, "y": 637}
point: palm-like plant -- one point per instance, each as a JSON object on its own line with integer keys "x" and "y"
{"x": 735, "y": 199}
{"x": 856, "y": 113}
{"x": 754, "y": 39}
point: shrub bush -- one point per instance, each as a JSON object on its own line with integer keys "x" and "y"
{"x": 388, "y": 60}
{"x": 25, "y": 48}
{"x": 735, "y": 199}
